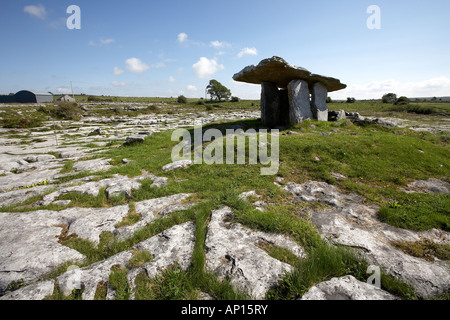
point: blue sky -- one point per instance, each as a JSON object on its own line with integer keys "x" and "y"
{"x": 171, "y": 47}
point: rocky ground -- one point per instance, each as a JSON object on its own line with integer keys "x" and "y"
{"x": 31, "y": 163}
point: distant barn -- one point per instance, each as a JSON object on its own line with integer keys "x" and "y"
{"x": 66, "y": 98}
{"x": 26, "y": 96}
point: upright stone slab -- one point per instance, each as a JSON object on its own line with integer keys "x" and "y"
{"x": 319, "y": 101}
{"x": 270, "y": 104}
{"x": 300, "y": 106}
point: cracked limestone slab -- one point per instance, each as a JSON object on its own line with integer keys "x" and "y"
{"x": 180, "y": 164}
{"x": 173, "y": 245}
{"x": 36, "y": 291}
{"x": 233, "y": 251}
{"x": 18, "y": 196}
{"x": 89, "y": 277}
{"x": 346, "y": 288}
{"x": 93, "y": 165}
{"x": 153, "y": 209}
{"x": 429, "y": 186}
{"x": 29, "y": 246}
{"x": 118, "y": 185}
{"x": 350, "y": 222}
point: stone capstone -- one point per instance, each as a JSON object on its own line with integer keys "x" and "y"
{"x": 277, "y": 71}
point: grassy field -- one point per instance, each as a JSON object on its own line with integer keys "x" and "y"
{"x": 376, "y": 160}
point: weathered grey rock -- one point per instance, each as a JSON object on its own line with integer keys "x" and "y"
{"x": 153, "y": 209}
{"x": 17, "y": 196}
{"x": 180, "y": 164}
{"x": 346, "y": 288}
{"x": 351, "y": 223}
{"x": 319, "y": 102}
{"x": 90, "y": 223}
{"x": 429, "y": 186}
{"x": 173, "y": 245}
{"x": 118, "y": 185}
{"x": 270, "y": 104}
{"x": 134, "y": 139}
{"x": 29, "y": 246}
{"x": 341, "y": 115}
{"x": 277, "y": 71}
{"x": 89, "y": 277}
{"x": 300, "y": 106}
{"x": 93, "y": 165}
{"x": 37, "y": 291}
{"x": 96, "y": 132}
{"x": 234, "y": 252}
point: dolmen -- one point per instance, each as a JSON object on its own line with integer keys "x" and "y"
{"x": 289, "y": 94}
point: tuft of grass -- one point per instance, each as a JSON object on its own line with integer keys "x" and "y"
{"x": 119, "y": 282}
{"x": 139, "y": 258}
{"x": 101, "y": 291}
{"x": 418, "y": 212}
{"x": 172, "y": 284}
{"x": 322, "y": 263}
{"x": 68, "y": 167}
{"x": 424, "y": 249}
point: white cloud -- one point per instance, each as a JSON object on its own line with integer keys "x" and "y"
{"x": 64, "y": 90}
{"x": 182, "y": 37}
{"x": 439, "y": 86}
{"x": 191, "y": 88}
{"x": 136, "y": 65}
{"x": 37, "y": 11}
{"x": 217, "y": 44}
{"x": 102, "y": 42}
{"x": 172, "y": 79}
{"x": 247, "y": 51}
{"x": 118, "y": 84}
{"x": 107, "y": 41}
{"x": 206, "y": 67}
{"x": 117, "y": 71}
{"x": 158, "y": 65}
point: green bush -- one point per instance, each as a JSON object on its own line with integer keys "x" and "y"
{"x": 389, "y": 98}
{"x": 182, "y": 99}
{"x": 402, "y": 101}
{"x": 67, "y": 110}
{"x": 235, "y": 99}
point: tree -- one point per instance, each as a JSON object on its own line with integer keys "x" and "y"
{"x": 351, "y": 100}
{"x": 389, "y": 98}
{"x": 218, "y": 90}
